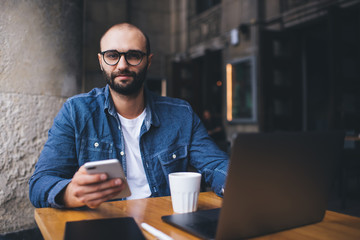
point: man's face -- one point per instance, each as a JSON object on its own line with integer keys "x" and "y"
{"x": 125, "y": 82}
{"x": 123, "y": 78}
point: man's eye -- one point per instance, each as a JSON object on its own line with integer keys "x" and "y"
{"x": 112, "y": 56}
{"x": 133, "y": 55}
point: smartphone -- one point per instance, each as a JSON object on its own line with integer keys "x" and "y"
{"x": 113, "y": 169}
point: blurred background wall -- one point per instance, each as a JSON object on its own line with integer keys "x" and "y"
{"x": 40, "y": 66}
{"x": 257, "y": 65}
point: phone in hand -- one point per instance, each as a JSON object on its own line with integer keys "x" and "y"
{"x": 113, "y": 169}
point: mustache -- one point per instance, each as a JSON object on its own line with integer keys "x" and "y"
{"x": 125, "y": 72}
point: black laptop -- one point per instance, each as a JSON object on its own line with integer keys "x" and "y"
{"x": 276, "y": 181}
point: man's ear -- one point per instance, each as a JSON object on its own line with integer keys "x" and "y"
{"x": 149, "y": 60}
{"x": 100, "y": 61}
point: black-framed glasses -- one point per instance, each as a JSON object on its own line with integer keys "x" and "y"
{"x": 132, "y": 57}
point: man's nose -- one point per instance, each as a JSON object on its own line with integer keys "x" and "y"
{"x": 122, "y": 64}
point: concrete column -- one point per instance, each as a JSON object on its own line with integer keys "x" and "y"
{"x": 40, "y": 66}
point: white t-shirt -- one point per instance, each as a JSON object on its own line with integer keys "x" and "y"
{"x": 136, "y": 176}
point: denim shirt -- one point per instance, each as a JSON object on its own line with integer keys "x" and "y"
{"x": 87, "y": 128}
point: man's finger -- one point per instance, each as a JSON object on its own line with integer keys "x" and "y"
{"x": 96, "y": 198}
{"x": 98, "y": 187}
{"x": 83, "y": 178}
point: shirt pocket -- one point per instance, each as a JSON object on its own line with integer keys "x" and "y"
{"x": 174, "y": 159}
{"x": 93, "y": 149}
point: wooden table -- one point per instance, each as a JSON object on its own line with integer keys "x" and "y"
{"x": 52, "y": 221}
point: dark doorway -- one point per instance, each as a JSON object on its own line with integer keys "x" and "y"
{"x": 311, "y": 74}
{"x": 199, "y": 81}
{"x": 281, "y": 81}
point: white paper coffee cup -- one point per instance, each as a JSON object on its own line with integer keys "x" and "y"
{"x": 184, "y": 189}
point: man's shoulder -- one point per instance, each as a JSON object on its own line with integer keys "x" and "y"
{"x": 171, "y": 102}
{"x": 89, "y": 96}
{"x": 87, "y": 103}
{"x": 95, "y": 96}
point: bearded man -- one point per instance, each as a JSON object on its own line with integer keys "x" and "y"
{"x": 150, "y": 135}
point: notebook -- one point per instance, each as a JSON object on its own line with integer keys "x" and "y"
{"x": 110, "y": 228}
{"x": 276, "y": 181}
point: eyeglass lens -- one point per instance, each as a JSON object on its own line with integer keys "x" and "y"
{"x": 132, "y": 57}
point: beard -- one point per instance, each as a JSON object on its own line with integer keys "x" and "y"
{"x": 133, "y": 87}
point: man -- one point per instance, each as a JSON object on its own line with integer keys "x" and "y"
{"x": 151, "y": 136}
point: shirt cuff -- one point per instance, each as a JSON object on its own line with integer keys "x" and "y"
{"x": 55, "y": 191}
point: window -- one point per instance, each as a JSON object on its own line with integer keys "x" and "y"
{"x": 287, "y": 5}
{"x": 241, "y": 90}
{"x": 203, "y": 5}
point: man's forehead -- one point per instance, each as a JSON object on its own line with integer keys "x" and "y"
{"x": 123, "y": 36}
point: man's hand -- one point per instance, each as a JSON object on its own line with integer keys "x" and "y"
{"x": 90, "y": 190}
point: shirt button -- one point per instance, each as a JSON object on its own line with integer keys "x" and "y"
{"x": 96, "y": 144}
{"x": 122, "y": 153}
{"x": 174, "y": 156}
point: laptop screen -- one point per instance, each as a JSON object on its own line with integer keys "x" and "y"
{"x": 276, "y": 181}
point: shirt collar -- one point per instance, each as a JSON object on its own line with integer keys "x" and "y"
{"x": 151, "y": 116}
{"x": 109, "y": 104}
